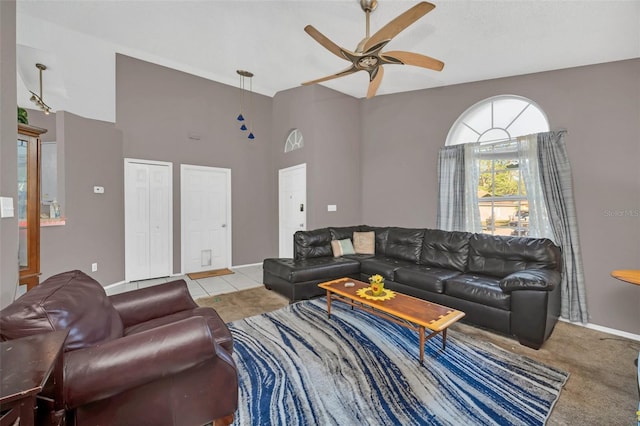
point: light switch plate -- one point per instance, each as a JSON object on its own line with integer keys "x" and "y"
{"x": 332, "y": 208}
{"x": 6, "y": 207}
{"x": 98, "y": 189}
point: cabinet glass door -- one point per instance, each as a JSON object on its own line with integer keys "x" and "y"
{"x": 23, "y": 191}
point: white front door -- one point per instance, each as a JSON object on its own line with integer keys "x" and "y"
{"x": 292, "y": 184}
{"x": 148, "y": 219}
{"x": 205, "y": 217}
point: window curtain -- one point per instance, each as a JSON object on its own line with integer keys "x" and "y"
{"x": 472, "y": 180}
{"x": 451, "y": 183}
{"x": 458, "y": 177}
{"x": 556, "y": 180}
{"x": 539, "y": 223}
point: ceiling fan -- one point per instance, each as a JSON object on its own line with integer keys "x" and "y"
{"x": 368, "y": 55}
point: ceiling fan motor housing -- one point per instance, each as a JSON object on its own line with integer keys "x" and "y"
{"x": 368, "y": 5}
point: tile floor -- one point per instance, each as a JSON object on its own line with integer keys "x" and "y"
{"x": 244, "y": 277}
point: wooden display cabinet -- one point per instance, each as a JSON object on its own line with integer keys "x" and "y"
{"x": 28, "y": 211}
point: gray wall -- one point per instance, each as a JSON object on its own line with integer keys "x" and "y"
{"x": 8, "y": 151}
{"x": 330, "y": 124}
{"x": 375, "y": 159}
{"x": 598, "y": 105}
{"x": 94, "y": 229}
{"x": 157, "y": 108}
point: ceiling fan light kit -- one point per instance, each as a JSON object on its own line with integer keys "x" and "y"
{"x": 368, "y": 55}
{"x": 37, "y": 99}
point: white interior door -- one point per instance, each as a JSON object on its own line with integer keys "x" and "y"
{"x": 292, "y": 184}
{"x": 205, "y": 217}
{"x": 148, "y": 219}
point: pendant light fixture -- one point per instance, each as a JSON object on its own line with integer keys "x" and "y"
{"x": 37, "y": 99}
{"x": 245, "y": 74}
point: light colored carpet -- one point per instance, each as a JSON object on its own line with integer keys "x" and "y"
{"x": 602, "y": 387}
{"x": 297, "y": 367}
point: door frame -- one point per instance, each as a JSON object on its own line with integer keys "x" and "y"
{"x": 281, "y": 172}
{"x": 127, "y": 249}
{"x": 229, "y": 245}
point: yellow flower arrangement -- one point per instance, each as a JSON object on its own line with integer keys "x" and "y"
{"x": 376, "y": 279}
{"x": 377, "y": 284}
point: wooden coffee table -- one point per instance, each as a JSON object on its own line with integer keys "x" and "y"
{"x": 407, "y": 311}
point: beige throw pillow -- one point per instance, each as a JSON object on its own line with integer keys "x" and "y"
{"x": 364, "y": 242}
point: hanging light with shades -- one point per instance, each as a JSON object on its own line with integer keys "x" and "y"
{"x": 245, "y": 74}
{"x": 37, "y": 99}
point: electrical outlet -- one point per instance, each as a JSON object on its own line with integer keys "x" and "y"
{"x": 94, "y": 267}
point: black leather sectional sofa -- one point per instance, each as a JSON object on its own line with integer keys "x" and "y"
{"x": 508, "y": 284}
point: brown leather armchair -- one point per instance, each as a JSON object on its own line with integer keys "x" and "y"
{"x": 148, "y": 356}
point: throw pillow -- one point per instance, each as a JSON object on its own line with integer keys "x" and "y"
{"x": 364, "y": 242}
{"x": 342, "y": 247}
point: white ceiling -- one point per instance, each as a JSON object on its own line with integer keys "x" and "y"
{"x": 476, "y": 39}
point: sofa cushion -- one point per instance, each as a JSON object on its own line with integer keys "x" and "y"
{"x": 309, "y": 244}
{"x": 364, "y": 242}
{"x": 340, "y": 233}
{"x": 405, "y": 244}
{"x": 480, "y": 289}
{"x": 342, "y": 247}
{"x": 71, "y": 300}
{"x": 424, "y": 277}
{"x": 500, "y": 256}
{"x": 447, "y": 250}
{"x": 295, "y": 271}
{"x": 383, "y": 265}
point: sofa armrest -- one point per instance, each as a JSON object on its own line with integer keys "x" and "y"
{"x": 531, "y": 279}
{"x": 106, "y": 370}
{"x": 148, "y": 303}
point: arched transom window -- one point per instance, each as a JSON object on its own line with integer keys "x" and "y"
{"x": 294, "y": 140}
{"x": 500, "y": 118}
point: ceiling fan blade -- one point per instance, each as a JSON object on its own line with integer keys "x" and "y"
{"x": 398, "y": 24}
{"x": 348, "y": 71}
{"x": 415, "y": 59}
{"x": 375, "y": 82}
{"x": 324, "y": 41}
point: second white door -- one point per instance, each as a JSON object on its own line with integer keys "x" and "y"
{"x": 292, "y": 183}
{"x": 205, "y": 218}
{"x": 148, "y": 219}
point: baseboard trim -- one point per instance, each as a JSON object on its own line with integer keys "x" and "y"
{"x": 114, "y": 285}
{"x": 248, "y": 264}
{"x": 604, "y": 329}
{"x": 110, "y": 286}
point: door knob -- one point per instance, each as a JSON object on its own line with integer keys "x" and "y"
{"x": 224, "y": 225}
{"x": 302, "y": 225}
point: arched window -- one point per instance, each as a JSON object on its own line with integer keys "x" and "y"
{"x": 294, "y": 140}
{"x": 498, "y": 172}
{"x": 500, "y": 118}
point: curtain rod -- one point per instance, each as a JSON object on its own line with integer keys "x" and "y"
{"x": 514, "y": 139}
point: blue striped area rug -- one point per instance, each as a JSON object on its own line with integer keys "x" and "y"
{"x": 297, "y": 367}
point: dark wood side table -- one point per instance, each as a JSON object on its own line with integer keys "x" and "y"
{"x": 25, "y": 366}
